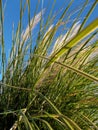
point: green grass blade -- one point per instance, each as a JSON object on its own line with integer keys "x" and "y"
{"x": 26, "y": 122}
{"x": 80, "y": 36}
{"x": 68, "y": 121}
{"x": 2, "y": 40}
{"x": 86, "y": 118}
{"x": 87, "y": 16}
{"x": 82, "y": 73}
{"x": 46, "y": 123}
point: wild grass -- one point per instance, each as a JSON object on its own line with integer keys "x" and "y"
{"x": 52, "y": 84}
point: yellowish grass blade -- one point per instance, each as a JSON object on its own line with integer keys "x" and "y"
{"x": 80, "y": 36}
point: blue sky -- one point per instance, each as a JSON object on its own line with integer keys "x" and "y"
{"x": 12, "y": 9}
{"x": 12, "y": 13}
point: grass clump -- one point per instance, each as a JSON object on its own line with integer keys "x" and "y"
{"x": 52, "y": 84}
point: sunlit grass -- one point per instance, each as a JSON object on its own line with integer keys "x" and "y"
{"x": 53, "y": 84}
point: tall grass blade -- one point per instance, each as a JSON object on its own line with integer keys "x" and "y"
{"x": 80, "y": 36}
